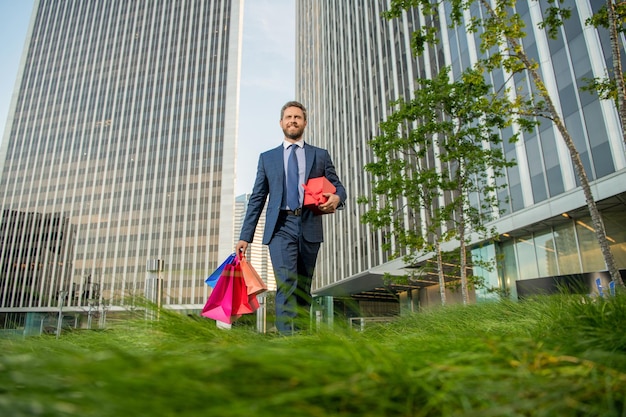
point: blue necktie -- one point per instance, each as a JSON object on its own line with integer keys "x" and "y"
{"x": 293, "y": 193}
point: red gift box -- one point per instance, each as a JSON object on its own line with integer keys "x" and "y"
{"x": 313, "y": 193}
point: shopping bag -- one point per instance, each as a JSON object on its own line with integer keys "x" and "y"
{"x": 240, "y": 302}
{"x": 212, "y": 279}
{"x": 314, "y": 191}
{"x": 229, "y": 299}
{"x": 219, "y": 306}
{"x": 254, "y": 282}
{"x": 254, "y": 303}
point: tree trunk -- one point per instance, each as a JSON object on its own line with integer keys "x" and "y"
{"x": 463, "y": 255}
{"x": 617, "y": 66}
{"x": 442, "y": 281}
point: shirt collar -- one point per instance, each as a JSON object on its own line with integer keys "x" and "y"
{"x": 287, "y": 144}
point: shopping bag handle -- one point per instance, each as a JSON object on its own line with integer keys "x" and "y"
{"x": 235, "y": 260}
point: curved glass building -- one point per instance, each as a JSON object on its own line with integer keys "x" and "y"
{"x": 351, "y": 63}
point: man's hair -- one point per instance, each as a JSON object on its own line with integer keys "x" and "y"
{"x": 293, "y": 104}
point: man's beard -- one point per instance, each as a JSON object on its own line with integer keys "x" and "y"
{"x": 297, "y": 134}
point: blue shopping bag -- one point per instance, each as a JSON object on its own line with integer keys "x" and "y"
{"x": 215, "y": 276}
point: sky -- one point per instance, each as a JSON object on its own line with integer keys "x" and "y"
{"x": 267, "y": 73}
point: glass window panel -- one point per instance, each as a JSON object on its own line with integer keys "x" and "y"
{"x": 538, "y": 182}
{"x": 575, "y": 128}
{"x": 592, "y": 258}
{"x": 603, "y": 160}
{"x": 568, "y": 99}
{"x": 555, "y": 181}
{"x": 615, "y": 226}
{"x": 572, "y": 25}
{"x": 486, "y": 254}
{"x": 595, "y": 124}
{"x": 545, "y": 248}
{"x": 517, "y": 199}
{"x": 507, "y": 134}
{"x": 498, "y": 80}
{"x": 598, "y": 138}
{"x": 567, "y": 249}
{"x": 509, "y": 267}
{"x": 580, "y": 57}
{"x": 535, "y": 167}
{"x": 534, "y": 155}
{"x": 548, "y": 146}
{"x": 527, "y": 261}
{"x": 562, "y": 73}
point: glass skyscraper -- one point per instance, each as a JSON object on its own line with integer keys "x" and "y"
{"x": 119, "y": 156}
{"x": 352, "y": 62}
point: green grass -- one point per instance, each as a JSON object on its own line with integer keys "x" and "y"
{"x": 561, "y": 355}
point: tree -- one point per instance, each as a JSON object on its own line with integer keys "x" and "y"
{"x": 617, "y": 64}
{"x": 612, "y": 17}
{"x": 456, "y": 125}
{"x": 501, "y": 30}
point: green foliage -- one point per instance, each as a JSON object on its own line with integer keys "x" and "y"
{"x": 490, "y": 28}
{"x": 601, "y": 18}
{"x": 457, "y": 123}
{"x": 554, "y": 17}
{"x": 545, "y": 356}
{"x": 606, "y": 88}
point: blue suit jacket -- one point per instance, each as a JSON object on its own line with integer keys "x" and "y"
{"x": 270, "y": 180}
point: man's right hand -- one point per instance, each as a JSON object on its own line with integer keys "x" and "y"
{"x": 241, "y": 248}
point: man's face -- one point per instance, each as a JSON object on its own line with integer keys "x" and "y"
{"x": 293, "y": 123}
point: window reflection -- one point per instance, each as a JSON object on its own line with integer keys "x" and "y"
{"x": 589, "y": 249}
{"x": 615, "y": 226}
{"x": 490, "y": 276}
{"x": 567, "y": 249}
{"x": 546, "y": 254}
{"x": 527, "y": 261}
{"x": 509, "y": 268}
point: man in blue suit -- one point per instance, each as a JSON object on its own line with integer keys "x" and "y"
{"x": 292, "y": 232}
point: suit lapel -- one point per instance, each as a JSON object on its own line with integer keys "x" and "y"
{"x": 309, "y": 154}
{"x": 278, "y": 162}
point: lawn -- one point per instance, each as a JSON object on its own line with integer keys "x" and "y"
{"x": 562, "y": 355}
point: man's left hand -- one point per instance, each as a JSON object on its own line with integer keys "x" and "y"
{"x": 330, "y": 206}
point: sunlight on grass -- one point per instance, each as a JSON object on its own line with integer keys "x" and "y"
{"x": 547, "y": 356}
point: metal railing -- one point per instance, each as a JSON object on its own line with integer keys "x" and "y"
{"x": 358, "y": 323}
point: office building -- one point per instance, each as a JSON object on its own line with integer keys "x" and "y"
{"x": 118, "y": 159}
{"x": 351, "y": 63}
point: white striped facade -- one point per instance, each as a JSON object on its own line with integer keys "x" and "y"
{"x": 120, "y": 150}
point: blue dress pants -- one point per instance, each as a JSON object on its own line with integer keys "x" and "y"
{"x": 293, "y": 259}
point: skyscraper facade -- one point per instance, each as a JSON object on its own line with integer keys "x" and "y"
{"x": 352, "y": 62}
{"x": 118, "y": 158}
